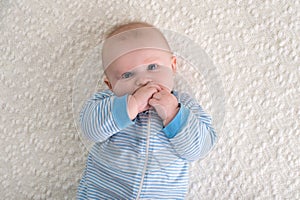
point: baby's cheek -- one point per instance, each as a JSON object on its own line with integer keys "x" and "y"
{"x": 122, "y": 88}
{"x": 166, "y": 81}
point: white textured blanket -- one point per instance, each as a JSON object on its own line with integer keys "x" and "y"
{"x": 254, "y": 45}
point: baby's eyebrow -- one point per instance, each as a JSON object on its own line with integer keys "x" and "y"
{"x": 118, "y": 73}
{"x": 151, "y": 59}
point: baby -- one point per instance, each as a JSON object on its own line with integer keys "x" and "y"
{"x": 145, "y": 133}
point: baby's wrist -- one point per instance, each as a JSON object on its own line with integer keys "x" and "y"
{"x": 132, "y": 107}
{"x": 171, "y": 116}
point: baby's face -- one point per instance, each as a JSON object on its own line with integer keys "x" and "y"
{"x": 138, "y": 68}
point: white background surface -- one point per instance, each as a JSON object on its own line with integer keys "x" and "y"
{"x": 255, "y": 46}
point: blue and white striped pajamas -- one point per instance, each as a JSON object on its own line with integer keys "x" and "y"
{"x": 141, "y": 159}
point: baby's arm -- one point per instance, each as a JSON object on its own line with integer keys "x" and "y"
{"x": 104, "y": 115}
{"x": 190, "y": 132}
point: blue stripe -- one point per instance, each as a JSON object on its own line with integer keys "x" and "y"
{"x": 119, "y": 112}
{"x": 179, "y": 121}
{"x": 115, "y": 163}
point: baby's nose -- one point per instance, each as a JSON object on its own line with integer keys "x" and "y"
{"x": 142, "y": 81}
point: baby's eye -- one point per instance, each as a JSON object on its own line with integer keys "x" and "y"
{"x": 152, "y": 66}
{"x": 127, "y": 75}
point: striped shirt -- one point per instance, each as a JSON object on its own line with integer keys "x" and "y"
{"x": 141, "y": 159}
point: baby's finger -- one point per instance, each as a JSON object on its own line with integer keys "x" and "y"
{"x": 165, "y": 88}
{"x": 153, "y": 85}
{"x": 153, "y": 102}
{"x": 159, "y": 108}
{"x": 157, "y": 96}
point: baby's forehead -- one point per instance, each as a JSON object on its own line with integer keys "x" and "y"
{"x": 131, "y": 41}
{"x": 139, "y": 59}
{"x": 145, "y": 55}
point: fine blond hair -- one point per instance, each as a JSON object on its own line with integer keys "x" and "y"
{"x": 126, "y": 27}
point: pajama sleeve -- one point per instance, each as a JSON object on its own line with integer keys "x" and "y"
{"x": 190, "y": 132}
{"x": 103, "y": 115}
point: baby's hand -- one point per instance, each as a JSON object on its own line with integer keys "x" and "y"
{"x": 138, "y": 101}
{"x": 165, "y": 104}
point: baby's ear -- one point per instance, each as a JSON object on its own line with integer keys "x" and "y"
{"x": 174, "y": 60}
{"x": 106, "y": 81}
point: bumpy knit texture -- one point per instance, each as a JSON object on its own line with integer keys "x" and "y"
{"x": 254, "y": 45}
